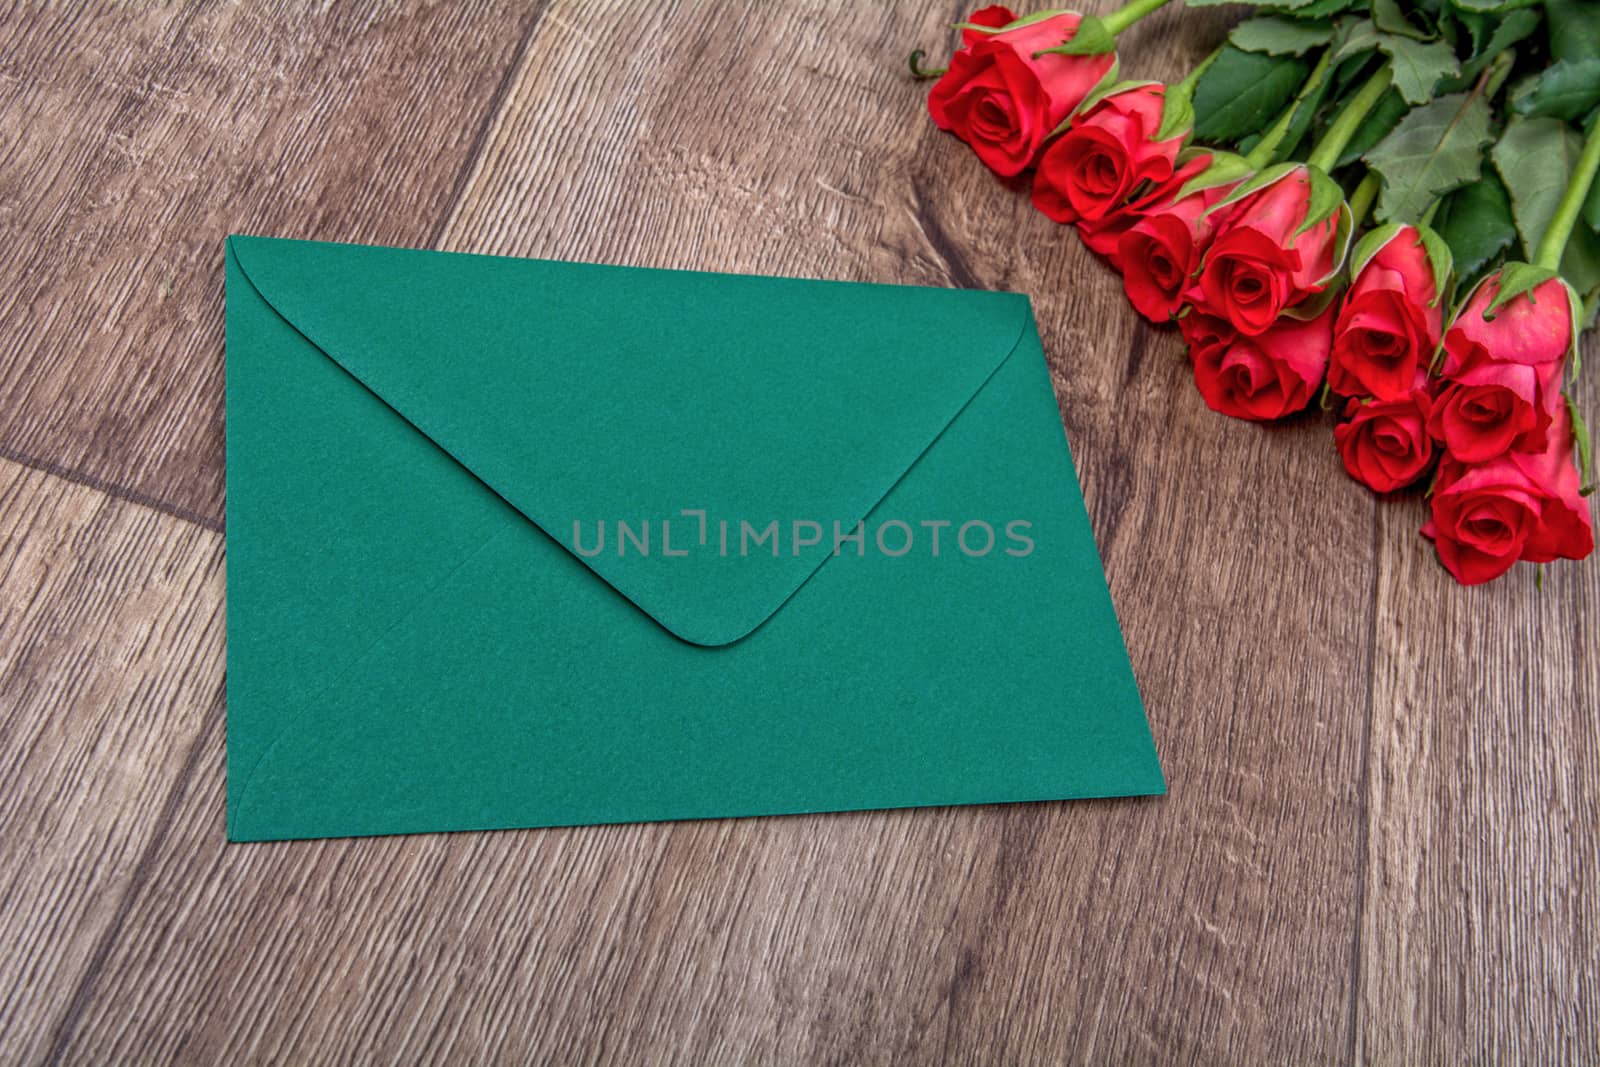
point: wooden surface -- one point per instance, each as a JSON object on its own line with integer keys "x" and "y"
{"x": 1381, "y": 842}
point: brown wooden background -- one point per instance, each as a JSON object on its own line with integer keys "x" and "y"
{"x": 1381, "y": 842}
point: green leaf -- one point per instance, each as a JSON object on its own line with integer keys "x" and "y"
{"x": 1225, "y": 167}
{"x": 1439, "y": 257}
{"x": 1255, "y": 182}
{"x": 1476, "y": 23}
{"x": 1326, "y": 197}
{"x": 1574, "y": 27}
{"x": 1350, "y": 71}
{"x": 1438, "y": 253}
{"x": 1566, "y": 90}
{"x": 1092, "y": 39}
{"x": 1416, "y": 66}
{"x": 1384, "y": 116}
{"x": 1305, "y": 113}
{"x": 1356, "y": 37}
{"x": 1509, "y": 30}
{"x": 1026, "y": 20}
{"x": 1584, "y": 449}
{"x": 1475, "y": 221}
{"x": 1492, "y": 6}
{"x": 1371, "y": 244}
{"x": 1502, "y": 31}
{"x": 1591, "y": 207}
{"x": 1516, "y": 279}
{"x": 1313, "y": 306}
{"x": 1278, "y": 35}
{"x": 1314, "y": 9}
{"x": 1105, "y": 88}
{"x": 1535, "y": 157}
{"x": 1278, "y": 5}
{"x": 1243, "y": 92}
{"x": 1391, "y": 18}
{"x": 1109, "y": 81}
{"x": 1437, "y": 147}
{"x": 1177, "y": 111}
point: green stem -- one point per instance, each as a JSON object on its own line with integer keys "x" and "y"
{"x": 1361, "y": 200}
{"x": 1264, "y": 150}
{"x": 919, "y": 71}
{"x": 1128, "y": 14}
{"x": 1555, "y": 238}
{"x": 1327, "y": 152}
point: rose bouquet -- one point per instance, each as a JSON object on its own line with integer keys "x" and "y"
{"x": 1384, "y": 211}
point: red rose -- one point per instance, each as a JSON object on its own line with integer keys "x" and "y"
{"x": 1160, "y": 253}
{"x": 1385, "y": 444}
{"x": 1104, "y": 235}
{"x": 1389, "y": 324}
{"x": 1107, "y": 153}
{"x": 1501, "y": 380}
{"x": 1257, "y": 266}
{"x": 1490, "y": 408}
{"x": 1002, "y": 101}
{"x": 1266, "y": 376}
{"x": 1522, "y": 505}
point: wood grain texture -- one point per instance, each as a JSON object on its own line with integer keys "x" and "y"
{"x": 1481, "y": 919}
{"x": 1381, "y": 840}
{"x": 137, "y": 136}
{"x": 110, "y": 668}
{"x": 1188, "y": 930}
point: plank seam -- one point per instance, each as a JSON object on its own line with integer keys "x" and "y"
{"x": 83, "y": 991}
{"x": 480, "y": 139}
{"x": 110, "y": 488}
{"x": 1364, "y": 819}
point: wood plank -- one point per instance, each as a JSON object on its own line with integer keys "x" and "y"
{"x": 1214, "y": 925}
{"x": 138, "y": 136}
{"x": 1480, "y": 929}
{"x": 111, "y": 638}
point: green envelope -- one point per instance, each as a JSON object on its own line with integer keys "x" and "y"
{"x": 426, "y": 631}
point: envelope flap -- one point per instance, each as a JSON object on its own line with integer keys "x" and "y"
{"x": 697, "y": 409}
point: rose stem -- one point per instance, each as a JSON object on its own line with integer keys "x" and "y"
{"x": 1555, "y": 238}
{"x": 1327, "y": 151}
{"x": 1361, "y": 200}
{"x": 1128, "y": 14}
{"x": 1263, "y": 152}
{"x": 919, "y": 71}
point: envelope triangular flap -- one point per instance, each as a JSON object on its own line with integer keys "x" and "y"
{"x": 583, "y": 394}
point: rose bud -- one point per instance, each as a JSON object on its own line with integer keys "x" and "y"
{"x": 1388, "y": 326}
{"x": 1520, "y": 505}
{"x": 1160, "y": 253}
{"x": 1004, "y": 102}
{"x": 1266, "y": 376}
{"x": 1260, "y": 262}
{"x": 1501, "y": 380}
{"x": 1104, "y": 235}
{"x": 1108, "y": 152}
{"x": 1385, "y": 444}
